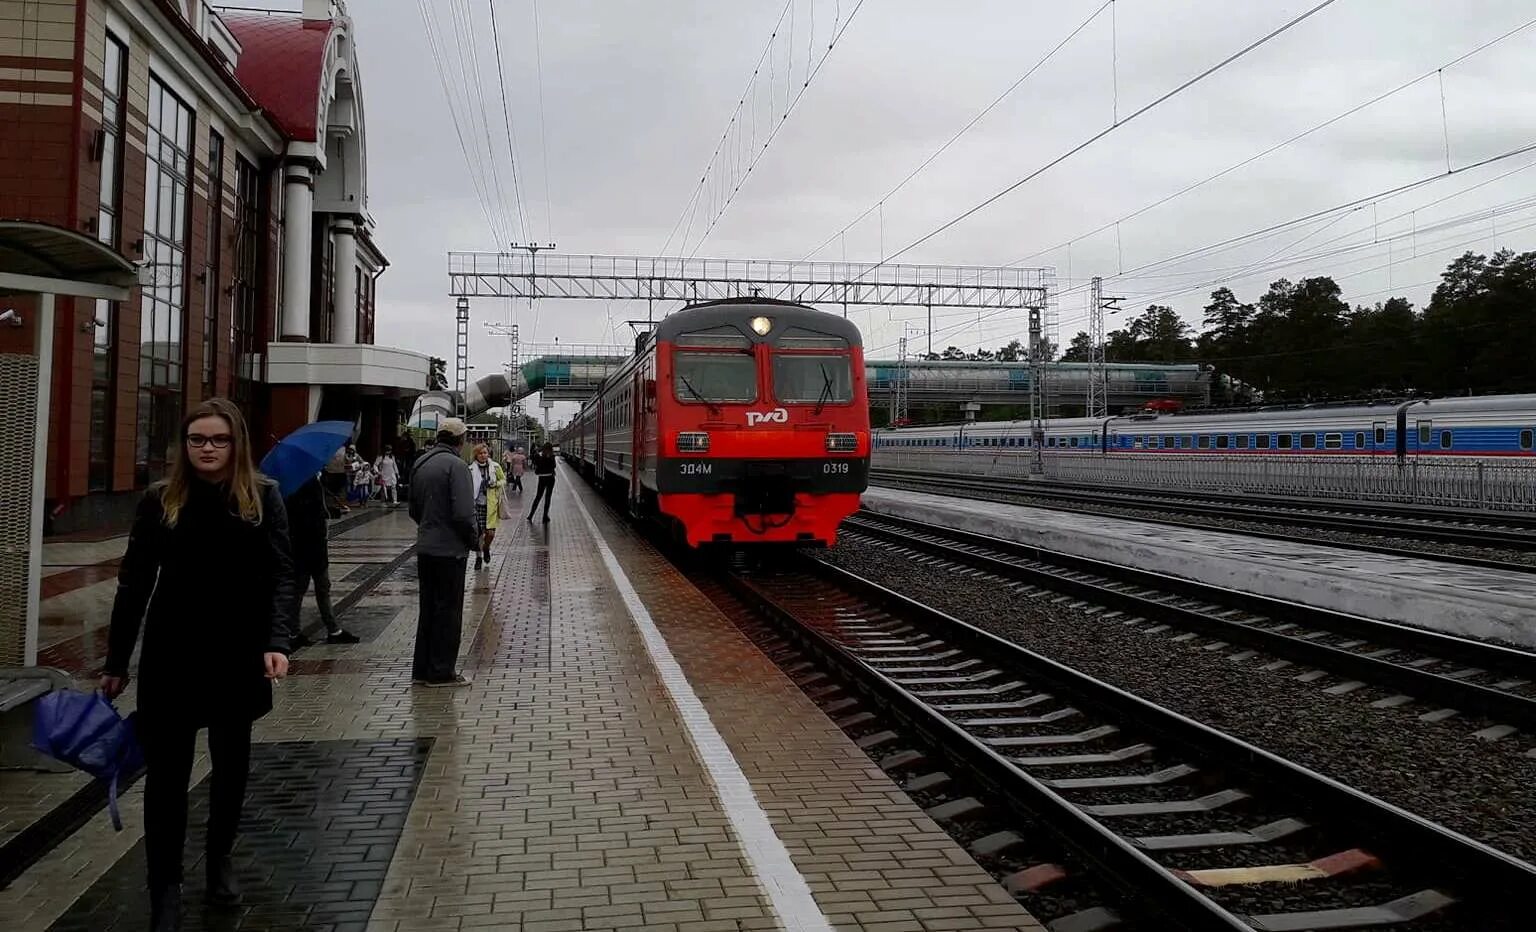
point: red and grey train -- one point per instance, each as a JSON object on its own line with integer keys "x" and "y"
{"x": 736, "y": 421}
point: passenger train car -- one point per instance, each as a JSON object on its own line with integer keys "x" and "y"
{"x": 1493, "y": 426}
{"x": 738, "y": 421}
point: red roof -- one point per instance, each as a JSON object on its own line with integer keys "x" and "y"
{"x": 280, "y": 65}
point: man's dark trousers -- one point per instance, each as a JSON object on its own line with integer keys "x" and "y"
{"x": 441, "y": 621}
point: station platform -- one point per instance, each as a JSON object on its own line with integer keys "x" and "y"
{"x": 625, "y": 759}
{"x": 1455, "y": 598}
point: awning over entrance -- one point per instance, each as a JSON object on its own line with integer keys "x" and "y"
{"x": 37, "y": 258}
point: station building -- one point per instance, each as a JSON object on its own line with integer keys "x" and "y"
{"x": 224, "y": 153}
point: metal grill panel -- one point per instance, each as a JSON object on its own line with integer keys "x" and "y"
{"x": 18, "y": 420}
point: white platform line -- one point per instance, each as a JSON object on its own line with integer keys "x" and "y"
{"x": 787, "y": 890}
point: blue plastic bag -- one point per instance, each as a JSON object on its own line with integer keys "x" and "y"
{"x": 84, "y": 731}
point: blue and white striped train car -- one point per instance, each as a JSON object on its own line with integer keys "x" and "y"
{"x": 1494, "y": 426}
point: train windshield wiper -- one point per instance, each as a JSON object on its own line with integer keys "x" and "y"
{"x": 713, "y": 408}
{"x": 826, "y": 391}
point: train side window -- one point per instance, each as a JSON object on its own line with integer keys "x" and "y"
{"x": 1283, "y": 441}
{"x": 1424, "y": 430}
{"x": 1333, "y": 441}
{"x": 1445, "y": 440}
{"x": 1526, "y": 438}
{"x": 1204, "y": 442}
{"x": 1309, "y": 441}
{"x": 1242, "y": 441}
{"x": 1261, "y": 442}
{"x": 1221, "y": 441}
{"x": 1074, "y": 441}
{"x": 1381, "y": 436}
{"x": 1360, "y": 440}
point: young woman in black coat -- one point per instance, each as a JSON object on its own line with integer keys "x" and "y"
{"x": 210, "y": 575}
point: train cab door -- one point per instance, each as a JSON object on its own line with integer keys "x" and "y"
{"x": 1378, "y": 437}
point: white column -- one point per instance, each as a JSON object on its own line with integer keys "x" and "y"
{"x": 344, "y": 330}
{"x": 42, "y": 329}
{"x": 298, "y": 209}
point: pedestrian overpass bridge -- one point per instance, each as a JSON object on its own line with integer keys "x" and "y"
{"x": 577, "y": 376}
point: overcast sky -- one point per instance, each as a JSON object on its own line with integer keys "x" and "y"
{"x": 636, "y": 95}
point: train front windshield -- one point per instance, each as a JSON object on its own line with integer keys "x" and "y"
{"x": 715, "y": 377}
{"x": 821, "y": 378}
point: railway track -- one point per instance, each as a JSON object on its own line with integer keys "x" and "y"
{"x": 1465, "y": 675}
{"x": 1509, "y": 532}
{"x": 1194, "y": 828}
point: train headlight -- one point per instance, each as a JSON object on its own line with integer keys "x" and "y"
{"x": 842, "y": 443}
{"x": 761, "y": 325}
{"x": 693, "y": 442}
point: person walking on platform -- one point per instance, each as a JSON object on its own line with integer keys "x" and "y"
{"x": 209, "y": 576}
{"x": 442, "y": 504}
{"x": 388, "y": 472}
{"x": 488, "y": 481}
{"x": 544, "y": 468}
{"x": 516, "y": 462}
{"x": 308, "y": 533}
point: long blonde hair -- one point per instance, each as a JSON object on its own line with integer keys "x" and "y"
{"x": 244, "y": 480}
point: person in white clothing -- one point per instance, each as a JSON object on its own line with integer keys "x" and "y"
{"x": 389, "y": 475}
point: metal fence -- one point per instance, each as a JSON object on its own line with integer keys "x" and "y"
{"x": 1491, "y": 485}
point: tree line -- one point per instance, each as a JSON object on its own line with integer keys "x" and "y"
{"x": 1302, "y": 341}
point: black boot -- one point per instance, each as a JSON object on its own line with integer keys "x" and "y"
{"x": 223, "y": 886}
{"x": 165, "y": 908}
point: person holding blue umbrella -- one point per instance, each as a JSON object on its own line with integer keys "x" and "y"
{"x": 294, "y": 463}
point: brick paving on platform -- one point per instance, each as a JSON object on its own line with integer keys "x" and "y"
{"x": 560, "y": 792}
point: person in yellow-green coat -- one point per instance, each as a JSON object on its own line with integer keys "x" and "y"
{"x": 489, "y": 481}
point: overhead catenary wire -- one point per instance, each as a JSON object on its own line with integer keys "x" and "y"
{"x": 538, "y": 65}
{"x": 1079, "y": 147}
{"x": 464, "y": 25}
{"x": 792, "y": 102}
{"x": 511, "y": 133}
{"x": 471, "y": 153}
{"x": 1007, "y": 92}
{"x": 1433, "y": 72}
{"x": 751, "y": 88}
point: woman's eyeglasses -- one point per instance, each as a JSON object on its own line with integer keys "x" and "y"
{"x": 217, "y": 441}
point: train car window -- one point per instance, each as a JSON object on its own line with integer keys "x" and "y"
{"x": 1283, "y": 441}
{"x": 1381, "y": 436}
{"x": 1333, "y": 441}
{"x": 1309, "y": 441}
{"x": 1203, "y": 441}
{"x": 1242, "y": 441}
{"x": 1221, "y": 442}
{"x": 1261, "y": 442}
{"x": 1360, "y": 440}
{"x": 818, "y": 379}
{"x": 1526, "y": 438}
{"x": 1424, "y": 429}
{"x": 724, "y": 336}
{"x": 1074, "y": 441}
{"x": 701, "y": 378}
{"x": 1445, "y": 440}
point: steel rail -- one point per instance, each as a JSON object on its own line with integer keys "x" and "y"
{"x": 1458, "y": 693}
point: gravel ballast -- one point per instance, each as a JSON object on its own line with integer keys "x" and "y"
{"x": 1438, "y": 770}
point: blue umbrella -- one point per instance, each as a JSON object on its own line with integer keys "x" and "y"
{"x": 301, "y": 454}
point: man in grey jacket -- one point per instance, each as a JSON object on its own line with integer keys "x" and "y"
{"x": 443, "y": 507}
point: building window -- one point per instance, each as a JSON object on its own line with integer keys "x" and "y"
{"x": 109, "y": 230}
{"x": 244, "y": 283}
{"x": 162, "y": 327}
{"x": 212, "y": 267}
